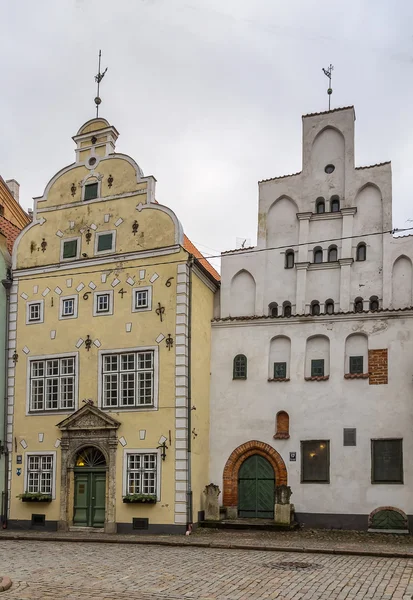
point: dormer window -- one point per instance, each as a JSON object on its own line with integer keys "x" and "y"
{"x": 91, "y": 191}
{"x": 320, "y": 206}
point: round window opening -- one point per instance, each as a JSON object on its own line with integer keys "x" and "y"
{"x": 329, "y": 169}
{"x": 92, "y": 161}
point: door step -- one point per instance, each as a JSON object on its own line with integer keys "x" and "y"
{"x": 77, "y": 529}
{"x": 251, "y": 524}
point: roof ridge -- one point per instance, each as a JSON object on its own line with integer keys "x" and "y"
{"x": 387, "y": 162}
{"x": 325, "y": 112}
{"x": 280, "y": 177}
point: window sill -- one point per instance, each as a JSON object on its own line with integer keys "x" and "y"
{"x": 356, "y": 376}
{"x": 126, "y": 408}
{"x": 318, "y": 378}
{"x": 239, "y": 379}
{"x": 34, "y": 499}
{"x": 281, "y": 436}
{"x": 277, "y": 379}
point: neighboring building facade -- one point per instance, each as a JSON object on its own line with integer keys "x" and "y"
{"x": 109, "y": 353}
{"x": 312, "y": 353}
{"x": 12, "y": 220}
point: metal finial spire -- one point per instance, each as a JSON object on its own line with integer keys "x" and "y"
{"x": 98, "y": 79}
{"x": 327, "y": 73}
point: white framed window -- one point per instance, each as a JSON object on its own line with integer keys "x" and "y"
{"x": 40, "y": 473}
{"x": 128, "y": 378}
{"x": 142, "y": 472}
{"x": 34, "y": 312}
{"x": 52, "y": 383}
{"x": 70, "y": 249}
{"x": 68, "y": 307}
{"x": 103, "y": 303}
{"x": 105, "y": 242}
{"x": 141, "y": 299}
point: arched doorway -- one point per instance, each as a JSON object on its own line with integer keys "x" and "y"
{"x": 90, "y": 488}
{"x": 256, "y": 488}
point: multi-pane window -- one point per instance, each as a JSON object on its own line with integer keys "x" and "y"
{"x": 40, "y": 474}
{"x": 280, "y": 370}
{"x": 387, "y": 461}
{"x": 315, "y": 461}
{"x": 102, "y": 303}
{"x": 141, "y": 299}
{"x": 52, "y": 384}
{"x": 35, "y": 312}
{"x": 91, "y": 191}
{"x": 356, "y": 364}
{"x": 69, "y": 249}
{"x": 141, "y": 474}
{"x": 128, "y": 379}
{"x": 240, "y": 367}
{"x": 317, "y": 367}
{"x": 105, "y": 242}
{"x": 68, "y": 307}
{"x": 289, "y": 259}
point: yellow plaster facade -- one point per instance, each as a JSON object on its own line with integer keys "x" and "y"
{"x": 131, "y": 381}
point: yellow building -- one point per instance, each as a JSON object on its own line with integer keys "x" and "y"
{"x": 109, "y": 377}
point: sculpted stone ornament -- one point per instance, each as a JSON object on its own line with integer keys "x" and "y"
{"x": 212, "y": 493}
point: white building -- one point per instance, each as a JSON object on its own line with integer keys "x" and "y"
{"x": 312, "y": 351}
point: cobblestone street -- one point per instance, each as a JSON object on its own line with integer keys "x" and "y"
{"x": 53, "y": 570}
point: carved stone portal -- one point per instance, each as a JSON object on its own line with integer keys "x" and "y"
{"x": 88, "y": 426}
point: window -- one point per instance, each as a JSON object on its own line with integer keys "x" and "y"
{"x": 335, "y": 204}
{"x": 329, "y": 307}
{"x": 387, "y": 461}
{"x": 240, "y": 367}
{"x": 329, "y": 169}
{"x": 280, "y": 370}
{"x": 317, "y": 367}
{"x": 141, "y": 473}
{"x": 349, "y": 436}
{"x": 332, "y": 254}
{"x": 105, "y": 242}
{"x": 361, "y": 252}
{"x": 287, "y": 309}
{"x": 318, "y": 255}
{"x": 315, "y": 461}
{"x": 356, "y": 364}
{"x": 91, "y": 191}
{"x": 70, "y": 249}
{"x": 273, "y": 309}
{"x": 52, "y": 384}
{"x": 315, "y": 308}
{"x": 68, "y": 307}
{"x": 34, "y": 312}
{"x": 128, "y": 379}
{"x": 320, "y": 206}
{"x": 289, "y": 259}
{"x": 141, "y": 299}
{"x": 39, "y": 474}
{"x": 358, "y": 305}
{"x": 374, "y": 303}
{"x": 103, "y": 303}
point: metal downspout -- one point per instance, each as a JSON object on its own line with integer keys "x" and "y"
{"x": 189, "y": 409}
{"x": 7, "y": 283}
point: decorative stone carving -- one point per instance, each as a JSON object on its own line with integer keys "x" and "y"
{"x": 283, "y": 511}
{"x": 212, "y": 493}
{"x": 283, "y": 494}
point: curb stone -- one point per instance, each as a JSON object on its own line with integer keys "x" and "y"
{"x": 216, "y": 545}
{"x": 5, "y": 583}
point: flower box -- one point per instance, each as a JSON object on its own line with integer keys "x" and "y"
{"x": 35, "y": 497}
{"x": 139, "y": 499}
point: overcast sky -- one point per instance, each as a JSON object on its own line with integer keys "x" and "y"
{"x": 207, "y": 95}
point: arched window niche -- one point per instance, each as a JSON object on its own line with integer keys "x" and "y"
{"x": 273, "y": 309}
{"x": 282, "y": 426}
{"x": 373, "y": 303}
{"x": 329, "y": 307}
{"x": 242, "y": 294}
{"x": 289, "y": 259}
{"x": 320, "y": 206}
{"x": 279, "y": 359}
{"x": 335, "y": 204}
{"x": 356, "y": 356}
{"x": 361, "y": 252}
{"x": 358, "y": 305}
{"x": 318, "y": 255}
{"x": 317, "y": 358}
{"x": 287, "y": 309}
{"x": 332, "y": 254}
{"x": 315, "y": 308}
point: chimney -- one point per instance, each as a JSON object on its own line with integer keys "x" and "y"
{"x": 14, "y": 188}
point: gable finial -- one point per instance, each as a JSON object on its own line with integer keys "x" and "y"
{"x": 328, "y": 73}
{"x": 98, "y": 79}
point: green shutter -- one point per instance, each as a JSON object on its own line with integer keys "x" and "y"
{"x": 70, "y": 249}
{"x": 105, "y": 242}
{"x": 317, "y": 368}
{"x": 91, "y": 191}
{"x": 280, "y": 370}
{"x": 356, "y": 364}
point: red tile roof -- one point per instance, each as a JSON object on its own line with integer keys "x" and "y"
{"x": 189, "y": 247}
{"x": 10, "y": 231}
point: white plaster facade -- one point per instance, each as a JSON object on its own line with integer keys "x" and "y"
{"x": 256, "y": 280}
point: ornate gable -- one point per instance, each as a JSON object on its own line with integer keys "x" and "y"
{"x": 88, "y": 417}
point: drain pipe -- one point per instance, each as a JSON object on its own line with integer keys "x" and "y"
{"x": 7, "y": 283}
{"x": 189, "y": 517}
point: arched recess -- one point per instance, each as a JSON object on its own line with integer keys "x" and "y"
{"x": 317, "y": 357}
{"x": 279, "y": 357}
{"x": 356, "y": 354}
{"x": 234, "y": 462}
{"x": 282, "y": 224}
{"x": 329, "y": 148}
{"x": 242, "y": 295}
{"x": 388, "y": 517}
{"x": 369, "y": 214}
{"x": 282, "y": 426}
{"x": 402, "y": 282}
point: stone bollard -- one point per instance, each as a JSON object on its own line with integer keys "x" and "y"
{"x": 282, "y": 512}
{"x": 212, "y": 493}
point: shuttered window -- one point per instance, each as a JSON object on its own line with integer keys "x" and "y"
{"x": 387, "y": 461}
{"x": 349, "y": 436}
{"x": 315, "y": 461}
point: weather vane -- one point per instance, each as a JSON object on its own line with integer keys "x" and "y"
{"x": 98, "y": 79}
{"x": 327, "y": 73}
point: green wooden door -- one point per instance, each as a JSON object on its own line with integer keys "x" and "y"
{"x": 256, "y": 487}
{"x": 89, "y": 505}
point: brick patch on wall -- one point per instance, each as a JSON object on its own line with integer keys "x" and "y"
{"x": 378, "y": 367}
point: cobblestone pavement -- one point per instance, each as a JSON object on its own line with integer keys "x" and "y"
{"x": 56, "y": 570}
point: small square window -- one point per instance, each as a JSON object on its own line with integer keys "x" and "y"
{"x": 105, "y": 242}
{"x": 280, "y": 370}
{"x": 142, "y": 299}
{"x": 34, "y": 311}
{"x": 91, "y": 191}
{"x": 68, "y": 307}
{"x": 69, "y": 249}
{"x": 103, "y": 303}
{"x": 356, "y": 364}
{"x": 317, "y": 368}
